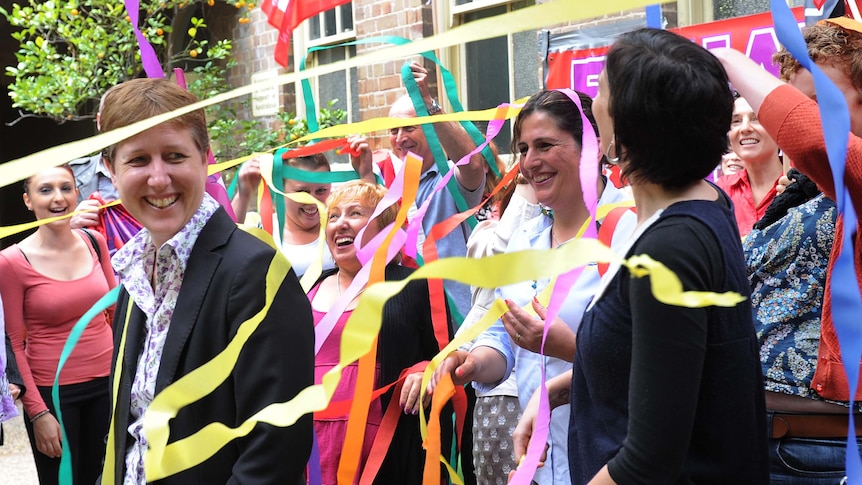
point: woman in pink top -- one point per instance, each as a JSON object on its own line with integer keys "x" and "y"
{"x": 50, "y": 279}
{"x": 406, "y": 338}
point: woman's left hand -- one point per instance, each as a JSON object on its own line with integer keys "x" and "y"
{"x": 410, "y": 392}
{"x": 526, "y": 331}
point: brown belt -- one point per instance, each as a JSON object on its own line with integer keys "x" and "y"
{"x": 786, "y": 425}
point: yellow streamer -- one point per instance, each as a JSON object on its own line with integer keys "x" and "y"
{"x": 530, "y": 18}
{"x": 110, "y": 457}
{"x": 667, "y": 288}
{"x": 158, "y": 462}
{"x": 7, "y": 231}
{"x": 164, "y": 459}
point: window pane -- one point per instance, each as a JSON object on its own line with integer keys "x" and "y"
{"x": 487, "y": 64}
{"x": 334, "y": 86}
{"x": 315, "y": 26}
{"x": 329, "y": 22}
{"x": 724, "y": 9}
{"x": 346, "y": 17}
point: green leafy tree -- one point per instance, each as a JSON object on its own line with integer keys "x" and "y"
{"x": 72, "y": 52}
{"x": 234, "y": 137}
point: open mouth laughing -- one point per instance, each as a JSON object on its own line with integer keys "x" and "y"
{"x": 343, "y": 241}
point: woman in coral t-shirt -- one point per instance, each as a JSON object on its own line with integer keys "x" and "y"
{"x": 50, "y": 279}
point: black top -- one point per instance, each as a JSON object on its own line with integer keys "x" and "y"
{"x": 666, "y": 394}
{"x": 225, "y": 285}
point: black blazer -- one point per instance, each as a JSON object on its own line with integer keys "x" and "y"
{"x": 224, "y": 285}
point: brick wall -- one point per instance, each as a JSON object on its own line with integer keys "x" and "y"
{"x": 380, "y": 83}
{"x": 253, "y": 48}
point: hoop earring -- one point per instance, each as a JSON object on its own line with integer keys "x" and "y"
{"x": 612, "y": 160}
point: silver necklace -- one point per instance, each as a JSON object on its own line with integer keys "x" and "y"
{"x": 338, "y": 285}
{"x": 554, "y": 238}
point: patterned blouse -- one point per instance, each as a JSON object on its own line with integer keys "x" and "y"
{"x": 787, "y": 264}
{"x": 134, "y": 262}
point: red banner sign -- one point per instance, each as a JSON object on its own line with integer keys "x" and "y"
{"x": 754, "y": 35}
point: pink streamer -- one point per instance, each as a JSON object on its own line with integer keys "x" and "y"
{"x": 393, "y": 195}
{"x": 148, "y": 54}
{"x": 365, "y": 253}
{"x": 494, "y": 127}
{"x": 588, "y": 172}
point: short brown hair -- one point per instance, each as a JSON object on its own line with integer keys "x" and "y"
{"x": 139, "y": 99}
{"x": 828, "y": 43}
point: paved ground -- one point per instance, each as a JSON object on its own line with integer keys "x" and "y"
{"x": 16, "y": 460}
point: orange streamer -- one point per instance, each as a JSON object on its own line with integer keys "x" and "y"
{"x": 445, "y": 390}
{"x": 358, "y": 418}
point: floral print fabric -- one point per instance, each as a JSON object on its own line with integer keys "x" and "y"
{"x": 135, "y": 263}
{"x": 787, "y": 264}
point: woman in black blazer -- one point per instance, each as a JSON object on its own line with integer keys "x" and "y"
{"x": 190, "y": 280}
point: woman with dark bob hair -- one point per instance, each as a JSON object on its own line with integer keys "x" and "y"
{"x": 662, "y": 393}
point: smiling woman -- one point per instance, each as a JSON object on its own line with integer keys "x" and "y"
{"x": 406, "y": 338}
{"x": 50, "y": 279}
{"x": 300, "y": 237}
{"x": 644, "y": 368}
{"x": 753, "y": 188}
{"x": 548, "y": 134}
{"x": 191, "y": 279}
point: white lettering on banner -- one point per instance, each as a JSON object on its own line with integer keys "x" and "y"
{"x": 585, "y": 74}
{"x": 762, "y": 43}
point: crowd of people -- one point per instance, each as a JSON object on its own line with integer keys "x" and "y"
{"x": 730, "y": 188}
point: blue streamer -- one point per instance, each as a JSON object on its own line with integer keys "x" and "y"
{"x": 65, "y": 475}
{"x": 653, "y": 16}
{"x": 846, "y": 301}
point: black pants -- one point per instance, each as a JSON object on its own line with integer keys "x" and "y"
{"x": 86, "y": 416}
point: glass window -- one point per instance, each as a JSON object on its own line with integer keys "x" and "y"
{"x": 489, "y": 78}
{"x": 335, "y": 22}
{"x": 724, "y": 9}
{"x": 340, "y": 85}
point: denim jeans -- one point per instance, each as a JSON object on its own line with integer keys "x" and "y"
{"x": 804, "y": 461}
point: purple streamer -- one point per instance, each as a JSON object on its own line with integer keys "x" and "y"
{"x": 148, "y": 54}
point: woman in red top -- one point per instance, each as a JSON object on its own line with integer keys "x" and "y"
{"x": 753, "y": 188}
{"x": 50, "y": 279}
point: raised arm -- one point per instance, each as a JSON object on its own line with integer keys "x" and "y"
{"x": 360, "y": 157}
{"x": 454, "y": 138}
{"x": 249, "y": 179}
{"x": 751, "y": 81}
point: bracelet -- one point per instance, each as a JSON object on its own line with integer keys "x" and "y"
{"x": 34, "y": 418}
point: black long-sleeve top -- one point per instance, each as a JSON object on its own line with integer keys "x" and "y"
{"x": 666, "y": 394}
